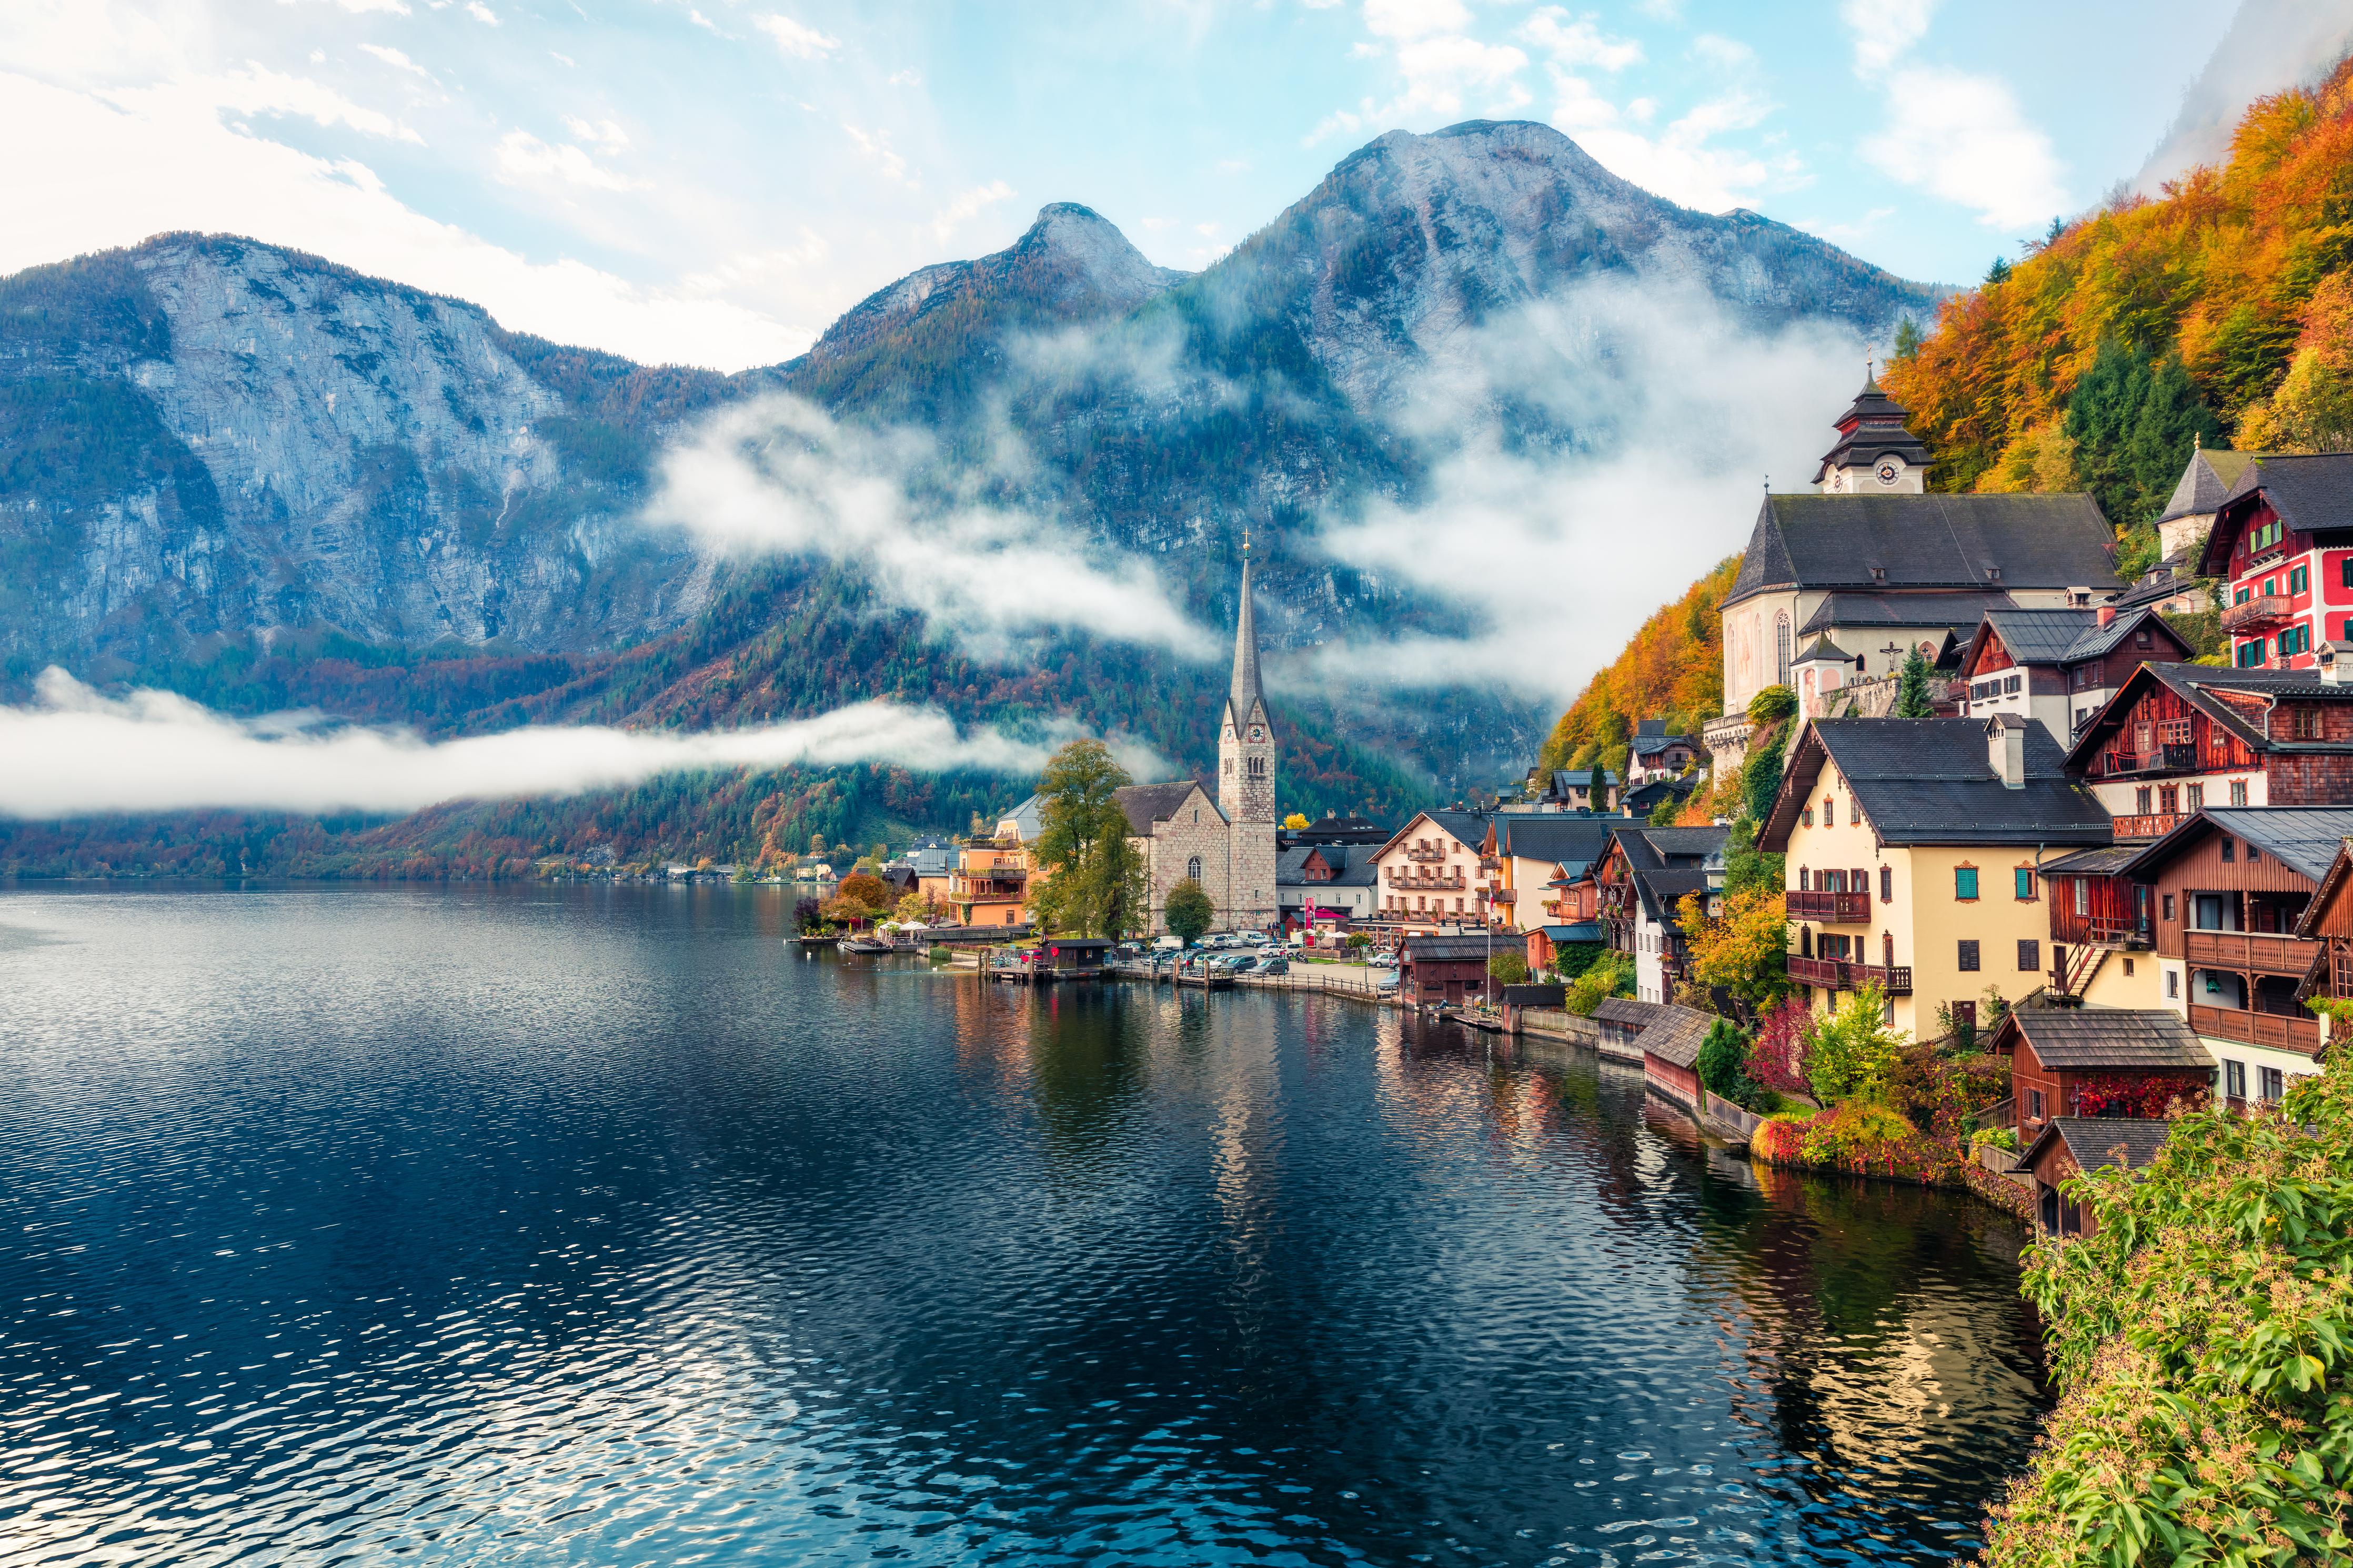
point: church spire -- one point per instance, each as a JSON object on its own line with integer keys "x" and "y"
{"x": 1245, "y": 691}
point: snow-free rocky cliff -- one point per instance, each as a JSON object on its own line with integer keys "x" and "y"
{"x": 208, "y": 440}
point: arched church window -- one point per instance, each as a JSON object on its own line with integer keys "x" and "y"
{"x": 1781, "y": 648}
{"x": 1193, "y": 869}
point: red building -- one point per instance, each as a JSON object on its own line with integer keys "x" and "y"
{"x": 2284, "y": 542}
{"x": 2099, "y": 1062}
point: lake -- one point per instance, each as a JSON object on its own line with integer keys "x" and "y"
{"x": 596, "y": 1225}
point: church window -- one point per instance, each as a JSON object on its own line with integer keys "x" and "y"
{"x": 1781, "y": 648}
{"x": 1258, "y": 767}
{"x": 1193, "y": 868}
{"x": 1229, "y": 767}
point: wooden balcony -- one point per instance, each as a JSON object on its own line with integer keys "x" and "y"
{"x": 1502, "y": 896}
{"x": 1830, "y": 909}
{"x": 1412, "y": 853}
{"x": 2277, "y": 1030}
{"x": 2254, "y": 951}
{"x": 2262, "y": 610}
{"x": 1845, "y": 974}
{"x": 1425, "y": 883}
{"x": 2151, "y": 825}
{"x": 2177, "y": 758}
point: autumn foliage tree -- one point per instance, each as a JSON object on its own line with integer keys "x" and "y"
{"x": 1746, "y": 950}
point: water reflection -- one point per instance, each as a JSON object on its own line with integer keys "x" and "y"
{"x": 597, "y": 1225}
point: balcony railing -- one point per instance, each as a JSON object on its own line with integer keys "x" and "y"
{"x": 2253, "y": 950}
{"x": 1425, "y": 883}
{"x": 2179, "y": 757}
{"x": 1414, "y": 852}
{"x": 1845, "y": 974}
{"x": 2262, "y": 610}
{"x": 2149, "y": 824}
{"x": 1503, "y": 896}
{"x": 1830, "y": 909}
{"x": 2274, "y": 1029}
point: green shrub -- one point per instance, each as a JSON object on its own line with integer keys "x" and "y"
{"x": 1853, "y": 1054}
{"x": 1508, "y": 967}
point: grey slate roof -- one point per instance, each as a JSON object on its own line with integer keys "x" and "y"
{"x": 1923, "y": 610}
{"x": 2093, "y": 1141}
{"x": 2105, "y": 862}
{"x": 2304, "y": 839}
{"x": 2098, "y": 640}
{"x": 1029, "y": 817}
{"x": 2310, "y": 491}
{"x": 1821, "y": 648}
{"x": 1458, "y": 949}
{"x": 1931, "y": 780}
{"x": 2041, "y": 636}
{"x": 1676, "y": 1034}
{"x": 1148, "y": 804}
{"x": 1353, "y": 865}
{"x": 1824, "y": 542}
{"x": 1582, "y": 930}
{"x": 1572, "y": 841}
{"x": 2088, "y": 1037}
{"x": 1244, "y": 692}
{"x": 1672, "y": 845}
{"x": 1661, "y": 890}
{"x": 1627, "y": 1010}
{"x": 2205, "y": 481}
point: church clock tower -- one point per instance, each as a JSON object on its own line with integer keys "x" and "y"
{"x": 1245, "y": 777}
{"x": 1876, "y": 454}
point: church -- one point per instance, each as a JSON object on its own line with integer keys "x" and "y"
{"x": 1227, "y": 843}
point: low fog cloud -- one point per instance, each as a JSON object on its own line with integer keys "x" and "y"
{"x": 780, "y": 476}
{"x": 1593, "y": 455}
{"x": 2272, "y": 46}
{"x": 78, "y": 753}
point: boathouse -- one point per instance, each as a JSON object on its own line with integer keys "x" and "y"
{"x": 1619, "y": 1021}
{"x": 1450, "y": 968}
{"x": 1073, "y": 957}
{"x": 1670, "y": 1045}
{"x": 2070, "y": 1145}
{"x": 2079, "y": 1062}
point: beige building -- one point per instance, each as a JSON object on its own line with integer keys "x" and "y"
{"x": 1428, "y": 873}
{"x": 1914, "y": 851}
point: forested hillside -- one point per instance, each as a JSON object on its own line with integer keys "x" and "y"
{"x": 2221, "y": 313}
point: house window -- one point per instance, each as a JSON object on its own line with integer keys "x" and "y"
{"x": 2295, "y": 640}
{"x": 2173, "y": 984}
{"x": 1806, "y": 816}
{"x": 2029, "y": 955}
{"x": 2129, "y": 969}
{"x": 2344, "y": 570}
{"x": 1805, "y": 880}
{"x": 2024, "y": 878}
{"x": 1965, "y": 883}
{"x": 2083, "y": 895}
{"x": 2238, "y": 792}
{"x": 2169, "y": 799}
{"x": 2234, "y": 1074}
{"x": 2193, "y": 797}
{"x": 2169, "y": 906}
{"x": 2307, "y": 723}
{"x": 2143, "y": 800}
{"x": 2230, "y": 849}
{"x": 1258, "y": 767}
{"x": 1193, "y": 868}
{"x": 1968, "y": 958}
{"x": 1830, "y": 812}
{"x": 2251, "y": 654}
{"x": 1781, "y": 648}
{"x": 1854, "y": 811}
{"x": 2034, "y": 1104}
{"x": 2299, "y": 580}
{"x": 2274, "y": 1084}
{"x": 1888, "y": 884}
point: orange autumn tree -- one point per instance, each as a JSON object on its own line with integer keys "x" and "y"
{"x": 2235, "y": 275}
{"x": 1672, "y": 669}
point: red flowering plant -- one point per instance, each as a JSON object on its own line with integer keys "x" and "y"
{"x": 1776, "y": 1054}
{"x": 2123, "y": 1094}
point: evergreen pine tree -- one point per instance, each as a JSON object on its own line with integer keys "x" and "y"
{"x": 1912, "y": 701}
{"x": 1596, "y": 790}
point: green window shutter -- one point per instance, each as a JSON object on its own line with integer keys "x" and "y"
{"x": 1965, "y": 882}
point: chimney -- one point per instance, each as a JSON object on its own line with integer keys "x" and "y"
{"x": 2332, "y": 669}
{"x": 2107, "y": 614}
{"x": 2006, "y": 748}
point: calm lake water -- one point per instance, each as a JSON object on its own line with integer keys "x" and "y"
{"x": 594, "y": 1224}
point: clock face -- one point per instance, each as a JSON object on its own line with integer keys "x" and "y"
{"x": 1258, "y": 733}
{"x": 1888, "y": 470}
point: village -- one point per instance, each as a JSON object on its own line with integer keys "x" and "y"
{"x": 1977, "y": 815}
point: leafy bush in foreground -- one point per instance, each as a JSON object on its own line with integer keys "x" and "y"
{"x": 2202, "y": 1339}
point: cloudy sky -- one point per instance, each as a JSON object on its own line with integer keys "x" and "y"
{"x": 712, "y": 181}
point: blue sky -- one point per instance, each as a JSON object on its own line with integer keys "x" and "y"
{"x": 714, "y": 182}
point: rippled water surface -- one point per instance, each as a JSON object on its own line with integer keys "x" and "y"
{"x": 595, "y": 1225}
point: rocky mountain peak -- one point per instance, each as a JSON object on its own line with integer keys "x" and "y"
{"x": 1093, "y": 260}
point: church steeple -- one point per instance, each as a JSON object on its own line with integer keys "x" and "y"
{"x": 1245, "y": 738}
{"x": 1876, "y": 454}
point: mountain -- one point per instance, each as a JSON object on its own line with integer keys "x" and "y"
{"x": 264, "y": 480}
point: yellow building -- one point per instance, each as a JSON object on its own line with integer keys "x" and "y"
{"x": 990, "y": 883}
{"x": 1915, "y": 850}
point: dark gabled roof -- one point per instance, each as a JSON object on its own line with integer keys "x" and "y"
{"x": 2082, "y": 1039}
{"x": 2036, "y": 637}
{"x": 1651, "y": 736}
{"x": 1821, "y": 648}
{"x": 2193, "y": 683}
{"x": 1626, "y": 1010}
{"x": 1922, "y": 611}
{"x": 1931, "y": 780}
{"x": 1470, "y": 827}
{"x": 2105, "y": 862}
{"x": 1675, "y": 1035}
{"x": 1353, "y": 866}
{"x": 1644, "y": 729}
{"x": 2208, "y": 478}
{"x": 2093, "y": 1141}
{"x": 1661, "y": 890}
{"x": 2098, "y": 640}
{"x": 1643, "y": 800}
{"x": 2304, "y": 839}
{"x": 1148, "y": 804}
{"x": 1925, "y": 541}
{"x": 1566, "y": 779}
{"x": 1691, "y": 845}
{"x": 1457, "y": 948}
{"x": 1581, "y": 930}
{"x": 2308, "y": 493}
{"x": 1565, "y": 840}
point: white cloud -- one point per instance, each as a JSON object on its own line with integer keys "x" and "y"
{"x": 1966, "y": 139}
{"x": 1636, "y": 371}
{"x": 1685, "y": 161}
{"x": 909, "y": 77}
{"x": 1577, "y": 41}
{"x": 258, "y": 90}
{"x": 799, "y": 42}
{"x": 780, "y": 477}
{"x": 603, "y": 132}
{"x": 525, "y": 159}
{"x": 481, "y": 13}
{"x": 876, "y": 146}
{"x": 137, "y": 161}
{"x": 395, "y": 59}
{"x": 968, "y": 205}
{"x": 79, "y": 753}
{"x": 359, "y": 7}
{"x": 1956, "y": 135}
{"x": 1415, "y": 19}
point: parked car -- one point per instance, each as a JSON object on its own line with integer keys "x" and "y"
{"x": 1386, "y": 980}
{"x": 1278, "y": 964}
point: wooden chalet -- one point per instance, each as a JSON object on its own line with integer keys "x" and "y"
{"x": 1639, "y": 883}
{"x": 2058, "y": 667}
{"x": 1665, "y": 1037}
{"x": 2069, "y": 1145}
{"x": 2282, "y": 539}
{"x": 2328, "y": 920}
{"x": 2178, "y": 738}
{"x": 2231, "y": 888}
{"x": 2097, "y": 1061}
{"x": 1439, "y": 969}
